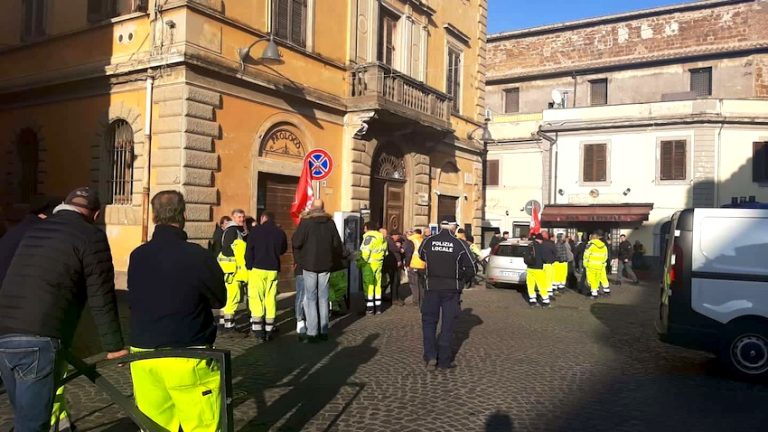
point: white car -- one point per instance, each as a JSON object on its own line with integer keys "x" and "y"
{"x": 505, "y": 265}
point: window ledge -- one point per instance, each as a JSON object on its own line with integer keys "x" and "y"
{"x": 686, "y": 182}
{"x": 594, "y": 184}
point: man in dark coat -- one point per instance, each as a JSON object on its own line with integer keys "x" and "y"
{"x": 173, "y": 285}
{"x": 266, "y": 243}
{"x": 393, "y": 264}
{"x": 40, "y": 209}
{"x": 58, "y": 265}
{"x": 317, "y": 246}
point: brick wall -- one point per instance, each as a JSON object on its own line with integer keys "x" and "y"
{"x": 761, "y": 75}
{"x": 727, "y": 27}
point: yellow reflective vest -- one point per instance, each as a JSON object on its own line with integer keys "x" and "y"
{"x": 374, "y": 247}
{"x": 595, "y": 255}
{"x": 416, "y": 261}
{"x": 236, "y": 263}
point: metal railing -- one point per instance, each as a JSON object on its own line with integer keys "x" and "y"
{"x": 378, "y": 79}
{"x": 127, "y": 404}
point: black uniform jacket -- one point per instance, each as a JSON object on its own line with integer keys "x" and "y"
{"x": 60, "y": 263}
{"x": 172, "y": 287}
{"x": 449, "y": 261}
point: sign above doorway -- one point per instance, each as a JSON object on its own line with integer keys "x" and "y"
{"x": 320, "y": 164}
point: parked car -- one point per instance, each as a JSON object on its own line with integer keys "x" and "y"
{"x": 505, "y": 264}
{"x": 714, "y": 295}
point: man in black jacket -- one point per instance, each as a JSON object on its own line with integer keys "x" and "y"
{"x": 172, "y": 287}
{"x": 449, "y": 267}
{"x": 317, "y": 246}
{"x": 625, "y": 260}
{"x": 40, "y": 209}
{"x": 549, "y": 256}
{"x": 58, "y": 265}
{"x": 265, "y": 244}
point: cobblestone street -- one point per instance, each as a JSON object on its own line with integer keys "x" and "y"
{"x": 581, "y": 365}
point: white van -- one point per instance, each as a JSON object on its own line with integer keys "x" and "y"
{"x": 714, "y": 294}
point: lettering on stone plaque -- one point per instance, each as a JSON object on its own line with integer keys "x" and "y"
{"x": 285, "y": 143}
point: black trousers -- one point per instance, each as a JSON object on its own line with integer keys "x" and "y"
{"x": 393, "y": 280}
{"x": 435, "y": 305}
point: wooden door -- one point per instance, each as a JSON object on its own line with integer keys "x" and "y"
{"x": 394, "y": 205}
{"x": 276, "y": 195}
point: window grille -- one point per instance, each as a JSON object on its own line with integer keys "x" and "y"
{"x": 701, "y": 81}
{"x": 121, "y": 152}
{"x": 598, "y": 94}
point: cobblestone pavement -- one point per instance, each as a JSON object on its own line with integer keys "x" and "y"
{"x": 581, "y": 365}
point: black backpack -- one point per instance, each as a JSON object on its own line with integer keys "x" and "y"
{"x": 529, "y": 255}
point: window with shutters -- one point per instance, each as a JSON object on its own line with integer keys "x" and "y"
{"x": 512, "y": 100}
{"x": 673, "y": 160}
{"x": 760, "y": 162}
{"x": 453, "y": 79}
{"x": 701, "y": 81}
{"x": 492, "y": 172}
{"x": 34, "y": 16}
{"x": 121, "y": 155}
{"x": 100, "y": 10}
{"x": 598, "y": 92}
{"x": 594, "y": 163}
{"x": 289, "y": 21}
{"x": 387, "y": 37}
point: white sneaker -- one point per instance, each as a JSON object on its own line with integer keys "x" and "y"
{"x": 301, "y": 327}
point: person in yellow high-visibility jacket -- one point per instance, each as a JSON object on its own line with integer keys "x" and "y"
{"x": 232, "y": 262}
{"x": 595, "y": 257}
{"x": 372, "y": 252}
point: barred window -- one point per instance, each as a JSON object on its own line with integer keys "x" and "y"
{"x": 121, "y": 152}
{"x": 701, "y": 81}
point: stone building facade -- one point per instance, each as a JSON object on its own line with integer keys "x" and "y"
{"x": 141, "y": 96}
{"x": 631, "y": 117}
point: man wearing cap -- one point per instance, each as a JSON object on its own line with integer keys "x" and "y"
{"x": 59, "y": 264}
{"x": 449, "y": 266}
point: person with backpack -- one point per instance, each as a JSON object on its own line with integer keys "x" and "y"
{"x": 536, "y": 277}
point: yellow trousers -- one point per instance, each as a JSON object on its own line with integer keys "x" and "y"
{"x": 549, "y": 272}
{"x": 177, "y": 392}
{"x": 60, "y": 417}
{"x": 372, "y": 283}
{"x": 537, "y": 278}
{"x": 561, "y": 273}
{"x": 262, "y": 296}
{"x": 233, "y": 295}
{"x": 596, "y": 278}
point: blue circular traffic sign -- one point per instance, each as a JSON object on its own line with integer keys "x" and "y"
{"x": 320, "y": 164}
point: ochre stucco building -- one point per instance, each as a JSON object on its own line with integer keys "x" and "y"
{"x": 129, "y": 94}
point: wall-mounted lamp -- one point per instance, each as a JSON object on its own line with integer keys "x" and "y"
{"x": 270, "y": 55}
{"x": 507, "y": 212}
{"x": 627, "y": 191}
{"x": 466, "y": 197}
{"x": 560, "y": 192}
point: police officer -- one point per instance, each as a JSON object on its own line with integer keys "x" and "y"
{"x": 449, "y": 265}
{"x": 371, "y": 260}
{"x": 232, "y": 262}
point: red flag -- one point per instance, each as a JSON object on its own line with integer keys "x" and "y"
{"x": 304, "y": 196}
{"x": 535, "y": 220}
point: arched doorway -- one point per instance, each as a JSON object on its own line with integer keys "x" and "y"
{"x": 388, "y": 181}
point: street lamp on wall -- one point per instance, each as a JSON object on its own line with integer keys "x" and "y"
{"x": 270, "y": 55}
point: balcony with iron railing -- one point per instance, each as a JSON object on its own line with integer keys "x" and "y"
{"x": 376, "y": 86}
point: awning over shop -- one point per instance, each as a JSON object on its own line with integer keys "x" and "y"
{"x": 596, "y": 213}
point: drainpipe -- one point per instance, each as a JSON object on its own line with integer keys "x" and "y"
{"x": 148, "y": 160}
{"x": 575, "y": 87}
{"x": 552, "y": 162}
{"x": 719, "y": 145}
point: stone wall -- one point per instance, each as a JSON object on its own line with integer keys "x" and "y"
{"x": 685, "y": 31}
{"x": 184, "y": 158}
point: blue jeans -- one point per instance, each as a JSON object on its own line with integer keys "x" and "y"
{"x": 316, "y": 298}
{"x": 435, "y": 303}
{"x": 27, "y": 366}
{"x": 299, "y": 279}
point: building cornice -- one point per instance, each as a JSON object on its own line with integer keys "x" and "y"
{"x": 702, "y": 119}
{"x": 611, "y": 19}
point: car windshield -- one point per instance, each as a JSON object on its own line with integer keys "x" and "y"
{"x": 510, "y": 250}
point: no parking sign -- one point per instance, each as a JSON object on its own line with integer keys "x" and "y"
{"x": 320, "y": 164}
